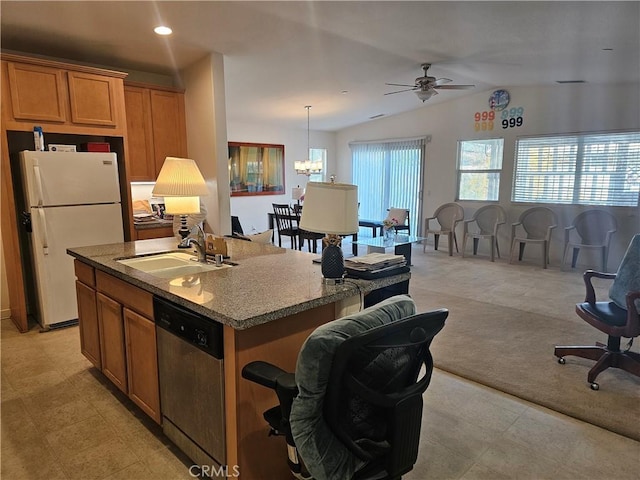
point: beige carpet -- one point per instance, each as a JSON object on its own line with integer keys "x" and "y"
{"x": 503, "y": 325}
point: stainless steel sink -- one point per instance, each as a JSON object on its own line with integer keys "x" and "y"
{"x": 170, "y": 264}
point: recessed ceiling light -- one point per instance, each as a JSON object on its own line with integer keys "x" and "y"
{"x": 162, "y": 30}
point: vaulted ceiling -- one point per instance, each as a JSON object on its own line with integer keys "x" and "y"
{"x": 337, "y": 56}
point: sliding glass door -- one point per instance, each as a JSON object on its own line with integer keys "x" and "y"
{"x": 389, "y": 175}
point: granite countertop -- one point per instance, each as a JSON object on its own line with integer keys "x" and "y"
{"x": 265, "y": 284}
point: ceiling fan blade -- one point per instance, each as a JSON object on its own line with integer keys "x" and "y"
{"x": 399, "y": 85}
{"x": 400, "y": 91}
{"x": 454, "y": 87}
{"x": 442, "y": 81}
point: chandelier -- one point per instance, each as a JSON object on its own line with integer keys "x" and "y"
{"x": 308, "y": 167}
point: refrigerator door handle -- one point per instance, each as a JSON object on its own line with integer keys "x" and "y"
{"x": 43, "y": 232}
{"x": 38, "y": 179}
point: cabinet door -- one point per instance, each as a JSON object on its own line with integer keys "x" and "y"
{"x": 37, "y": 92}
{"x": 112, "y": 344}
{"x": 92, "y": 98}
{"x": 142, "y": 363}
{"x": 169, "y": 126}
{"x": 88, "y": 322}
{"x": 139, "y": 134}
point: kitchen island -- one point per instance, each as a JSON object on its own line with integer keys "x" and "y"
{"x": 267, "y": 302}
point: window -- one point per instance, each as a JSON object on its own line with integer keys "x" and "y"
{"x": 318, "y": 155}
{"x": 584, "y": 169}
{"x": 388, "y": 174}
{"x": 479, "y": 168}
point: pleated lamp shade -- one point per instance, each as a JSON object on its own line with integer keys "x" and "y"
{"x": 181, "y": 184}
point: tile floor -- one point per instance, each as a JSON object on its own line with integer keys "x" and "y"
{"x": 61, "y": 419}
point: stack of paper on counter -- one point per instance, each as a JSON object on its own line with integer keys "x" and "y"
{"x": 375, "y": 262}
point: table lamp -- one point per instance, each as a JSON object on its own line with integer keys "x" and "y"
{"x": 332, "y": 209}
{"x": 181, "y": 184}
{"x": 297, "y": 193}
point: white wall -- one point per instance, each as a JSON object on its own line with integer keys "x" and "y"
{"x": 252, "y": 210}
{"x": 550, "y": 109}
{"x": 207, "y": 135}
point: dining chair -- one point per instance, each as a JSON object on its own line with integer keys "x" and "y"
{"x": 536, "y": 226}
{"x": 487, "y": 220}
{"x": 311, "y": 237}
{"x": 286, "y": 224}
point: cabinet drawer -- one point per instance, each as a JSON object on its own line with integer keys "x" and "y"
{"x": 130, "y": 296}
{"x": 85, "y": 273}
{"x": 146, "y": 233}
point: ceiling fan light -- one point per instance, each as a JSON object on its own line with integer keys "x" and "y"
{"x": 425, "y": 94}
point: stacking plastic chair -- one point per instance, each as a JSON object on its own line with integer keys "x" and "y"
{"x": 536, "y": 225}
{"x": 591, "y": 229}
{"x": 487, "y": 219}
{"x": 447, "y": 216}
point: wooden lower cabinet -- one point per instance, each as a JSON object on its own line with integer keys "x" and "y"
{"x": 88, "y": 323}
{"x": 118, "y": 336}
{"x": 142, "y": 363}
{"x": 112, "y": 345}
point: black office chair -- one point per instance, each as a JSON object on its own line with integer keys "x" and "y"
{"x": 353, "y": 410}
{"x": 619, "y": 317}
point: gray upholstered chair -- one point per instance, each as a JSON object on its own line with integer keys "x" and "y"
{"x": 447, "y": 217}
{"x": 487, "y": 220}
{"x": 591, "y": 229}
{"x": 536, "y": 225}
{"x": 617, "y": 318}
{"x": 353, "y": 410}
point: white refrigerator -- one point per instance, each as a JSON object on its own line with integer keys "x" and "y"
{"x": 74, "y": 201}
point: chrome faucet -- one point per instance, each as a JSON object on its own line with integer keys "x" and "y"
{"x": 198, "y": 243}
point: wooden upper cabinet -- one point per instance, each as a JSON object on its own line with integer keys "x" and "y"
{"x": 61, "y": 97}
{"x": 169, "y": 126}
{"x": 37, "y": 92}
{"x": 92, "y": 99}
{"x": 139, "y": 134}
{"x": 156, "y": 128}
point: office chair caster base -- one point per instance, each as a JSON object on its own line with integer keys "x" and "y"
{"x": 594, "y": 386}
{"x": 561, "y": 361}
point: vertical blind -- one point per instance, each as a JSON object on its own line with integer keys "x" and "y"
{"x": 388, "y": 174}
{"x": 585, "y": 169}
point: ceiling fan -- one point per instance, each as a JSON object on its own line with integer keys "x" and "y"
{"x": 426, "y": 86}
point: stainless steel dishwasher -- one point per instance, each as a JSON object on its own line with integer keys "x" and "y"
{"x": 190, "y": 367}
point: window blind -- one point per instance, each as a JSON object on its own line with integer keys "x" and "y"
{"x": 586, "y": 169}
{"x": 388, "y": 174}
